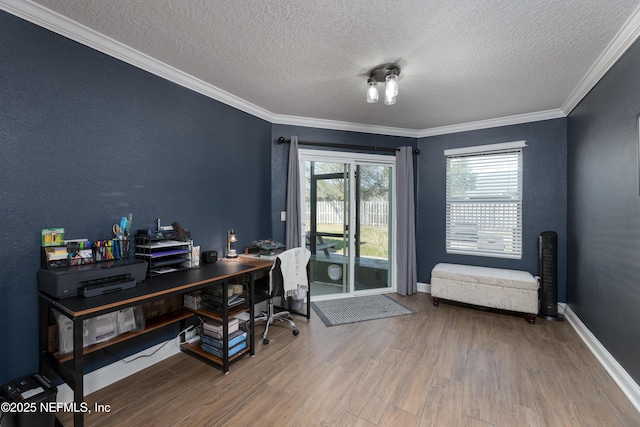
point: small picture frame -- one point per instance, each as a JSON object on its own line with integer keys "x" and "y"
{"x": 52, "y": 237}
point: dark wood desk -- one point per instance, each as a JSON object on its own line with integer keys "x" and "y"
{"x": 78, "y": 309}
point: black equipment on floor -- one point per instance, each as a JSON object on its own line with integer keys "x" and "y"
{"x": 548, "y": 271}
{"x": 28, "y": 401}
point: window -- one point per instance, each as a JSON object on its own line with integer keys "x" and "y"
{"x": 484, "y": 200}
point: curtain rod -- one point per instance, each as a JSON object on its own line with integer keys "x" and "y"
{"x": 282, "y": 140}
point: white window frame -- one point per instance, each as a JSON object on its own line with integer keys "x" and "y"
{"x": 480, "y": 223}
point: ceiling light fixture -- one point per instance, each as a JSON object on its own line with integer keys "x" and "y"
{"x": 389, "y": 73}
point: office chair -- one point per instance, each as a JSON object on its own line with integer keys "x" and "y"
{"x": 297, "y": 268}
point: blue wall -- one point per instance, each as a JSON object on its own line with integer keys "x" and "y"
{"x": 544, "y": 195}
{"x": 85, "y": 139}
{"x": 604, "y": 211}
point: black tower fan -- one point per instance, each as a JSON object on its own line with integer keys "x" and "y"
{"x": 548, "y": 270}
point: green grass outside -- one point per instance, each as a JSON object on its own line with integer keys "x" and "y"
{"x": 374, "y": 241}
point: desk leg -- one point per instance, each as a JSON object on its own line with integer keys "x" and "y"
{"x": 225, "y": 327}
{"x": 43, "y": 334}
{"x": 78, "y": 372}
{"x": 308, "y": 291}
{"x": 251, "y": 326}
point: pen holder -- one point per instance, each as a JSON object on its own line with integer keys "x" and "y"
{"x": 108, "y": 250}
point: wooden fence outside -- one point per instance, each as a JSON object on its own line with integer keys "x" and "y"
{"x": 372, "y": 213}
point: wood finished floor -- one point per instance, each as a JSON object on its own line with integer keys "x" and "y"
{"x": 445, "y": 366}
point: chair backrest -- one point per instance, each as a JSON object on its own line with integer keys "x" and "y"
{"x": 276, "y": 282}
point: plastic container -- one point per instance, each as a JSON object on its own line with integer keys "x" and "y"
{"x": 296, "y": 303}
{"x": 100, "y": 328}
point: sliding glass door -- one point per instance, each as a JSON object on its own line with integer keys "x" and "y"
{"x": 373, "y": 228}
{"x": 348, "y": 222}
{"x": 326, "y": 225}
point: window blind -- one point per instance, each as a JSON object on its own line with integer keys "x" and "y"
{"x": 484, "y": 203}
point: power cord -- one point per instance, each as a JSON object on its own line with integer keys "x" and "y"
{"x": 176, "y": 340}
{"x": 185, "y": 331}
{"x": 121, "y": 359}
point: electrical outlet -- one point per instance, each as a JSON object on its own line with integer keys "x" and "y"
{"x": 190, "y": 333}
{"x": 194, "y": 339}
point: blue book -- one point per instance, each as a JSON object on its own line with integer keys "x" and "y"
{"x": 234, "y": 338}
{"x": 217, "y": 352}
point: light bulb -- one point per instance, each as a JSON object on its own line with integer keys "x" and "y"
{"x": 389, "y": 100}
{"x": 391, "y": 87}
{"x": 372, "y": 91}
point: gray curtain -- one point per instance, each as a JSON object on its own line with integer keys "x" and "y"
{"x": 293, "y": 227}
{"x": 406, "y": 226}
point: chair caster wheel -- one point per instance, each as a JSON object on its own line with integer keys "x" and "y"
{"x": 265, "y": 341}
{"x": 296, "y": 332}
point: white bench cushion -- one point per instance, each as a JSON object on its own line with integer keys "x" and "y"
{"x": 486, "y": 275}
{"x": 490, "y": 287}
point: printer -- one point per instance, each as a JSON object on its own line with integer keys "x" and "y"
{"x": 92, "y": 279}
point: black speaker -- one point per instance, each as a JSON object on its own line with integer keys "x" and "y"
{"x": 209, "y": 257}
{"x": 548, "y": 271}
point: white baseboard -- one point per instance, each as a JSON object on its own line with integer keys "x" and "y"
{"x": 628, "y": 386}
{"x": 424, "y": 287}
{"x": 103, "y": 377}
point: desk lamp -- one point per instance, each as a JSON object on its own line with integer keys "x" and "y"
{"x": 231, "y": 238}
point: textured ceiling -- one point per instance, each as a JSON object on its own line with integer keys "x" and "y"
{"x": 462, "y": 61}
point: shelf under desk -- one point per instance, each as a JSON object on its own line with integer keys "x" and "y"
{"x": 79, "y": 308}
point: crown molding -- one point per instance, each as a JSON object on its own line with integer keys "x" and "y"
{"x": 75, "y": 31}
{"x": 492, "y": 123}
{"x": 622, "y": 41}
{"x": 345, "y": 126}
{"x": 68, "y": 28}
